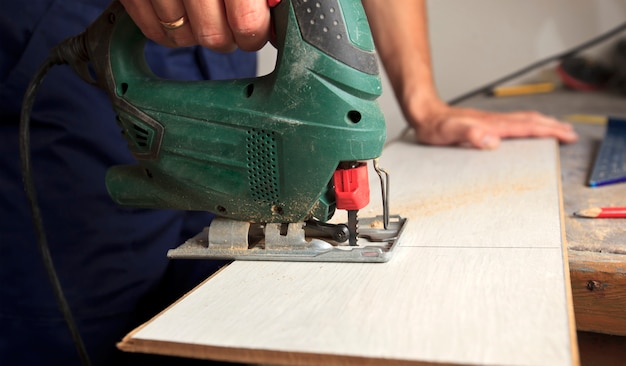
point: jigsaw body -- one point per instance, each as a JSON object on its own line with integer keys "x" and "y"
{"x": 273, "y": 156}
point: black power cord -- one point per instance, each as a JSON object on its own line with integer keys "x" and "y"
{"x": 560, "y": 56}
{"x": 62, "y": 54}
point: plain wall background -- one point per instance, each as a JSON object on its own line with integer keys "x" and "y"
{"x": 474, "y": 42}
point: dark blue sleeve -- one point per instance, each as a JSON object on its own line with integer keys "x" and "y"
{"x": 111, "y": 260}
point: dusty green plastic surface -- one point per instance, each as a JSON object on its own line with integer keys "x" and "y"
{"x": 260, "y": 149}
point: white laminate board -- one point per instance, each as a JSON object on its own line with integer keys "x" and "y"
{"x": 479, "y": 277}
{"x": 503, "y": 198}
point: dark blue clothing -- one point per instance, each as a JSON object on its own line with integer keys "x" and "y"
{"x": 111, "y": 260}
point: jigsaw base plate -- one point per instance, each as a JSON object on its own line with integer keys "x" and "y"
{"x": 375, "y": 244}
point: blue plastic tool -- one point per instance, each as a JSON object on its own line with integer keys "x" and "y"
{"x": 610, "y": 163}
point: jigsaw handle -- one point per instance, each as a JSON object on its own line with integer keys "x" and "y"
{"x": 337, "y": 28}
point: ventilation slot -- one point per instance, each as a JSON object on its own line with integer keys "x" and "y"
{"x": 262, "y": 166}
{"x": 141, "y": 136}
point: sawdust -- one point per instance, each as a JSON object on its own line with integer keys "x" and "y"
{"x": 377, "y": 224}
{"x": 595, "y": 235}
{"x": 454, "y": 200}
{"x": 580, "y": 224}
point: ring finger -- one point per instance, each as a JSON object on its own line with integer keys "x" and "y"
{"x": 173, "y": 11}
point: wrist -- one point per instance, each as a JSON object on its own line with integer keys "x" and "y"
{"x": 421, "y": 105}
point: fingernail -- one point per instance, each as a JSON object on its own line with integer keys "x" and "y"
{"x": 572, "y": 135}
{"x": 489, "y": 142}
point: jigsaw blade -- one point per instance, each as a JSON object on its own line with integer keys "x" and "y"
{"x": 353, "y": 226}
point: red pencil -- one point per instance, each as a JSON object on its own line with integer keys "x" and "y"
{"x": 602, "y": 212}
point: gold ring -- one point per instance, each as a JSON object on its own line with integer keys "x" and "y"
{"x": 175, "y": 24}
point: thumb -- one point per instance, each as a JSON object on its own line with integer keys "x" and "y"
{"x": 475, "y": 136}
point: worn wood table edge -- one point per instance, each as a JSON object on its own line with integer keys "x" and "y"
{"x": 598, "y": 282}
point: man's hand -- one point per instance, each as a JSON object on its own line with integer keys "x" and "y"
{"x": 220, "y": 25}
{"x": 440, "y": 124}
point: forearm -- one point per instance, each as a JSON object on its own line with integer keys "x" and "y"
{"x": 400, "y": 33}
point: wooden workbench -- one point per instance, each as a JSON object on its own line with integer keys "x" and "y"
{"x": 597, "y": 247}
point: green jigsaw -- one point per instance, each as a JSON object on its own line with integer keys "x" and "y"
{"x": 273, "y": 157}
